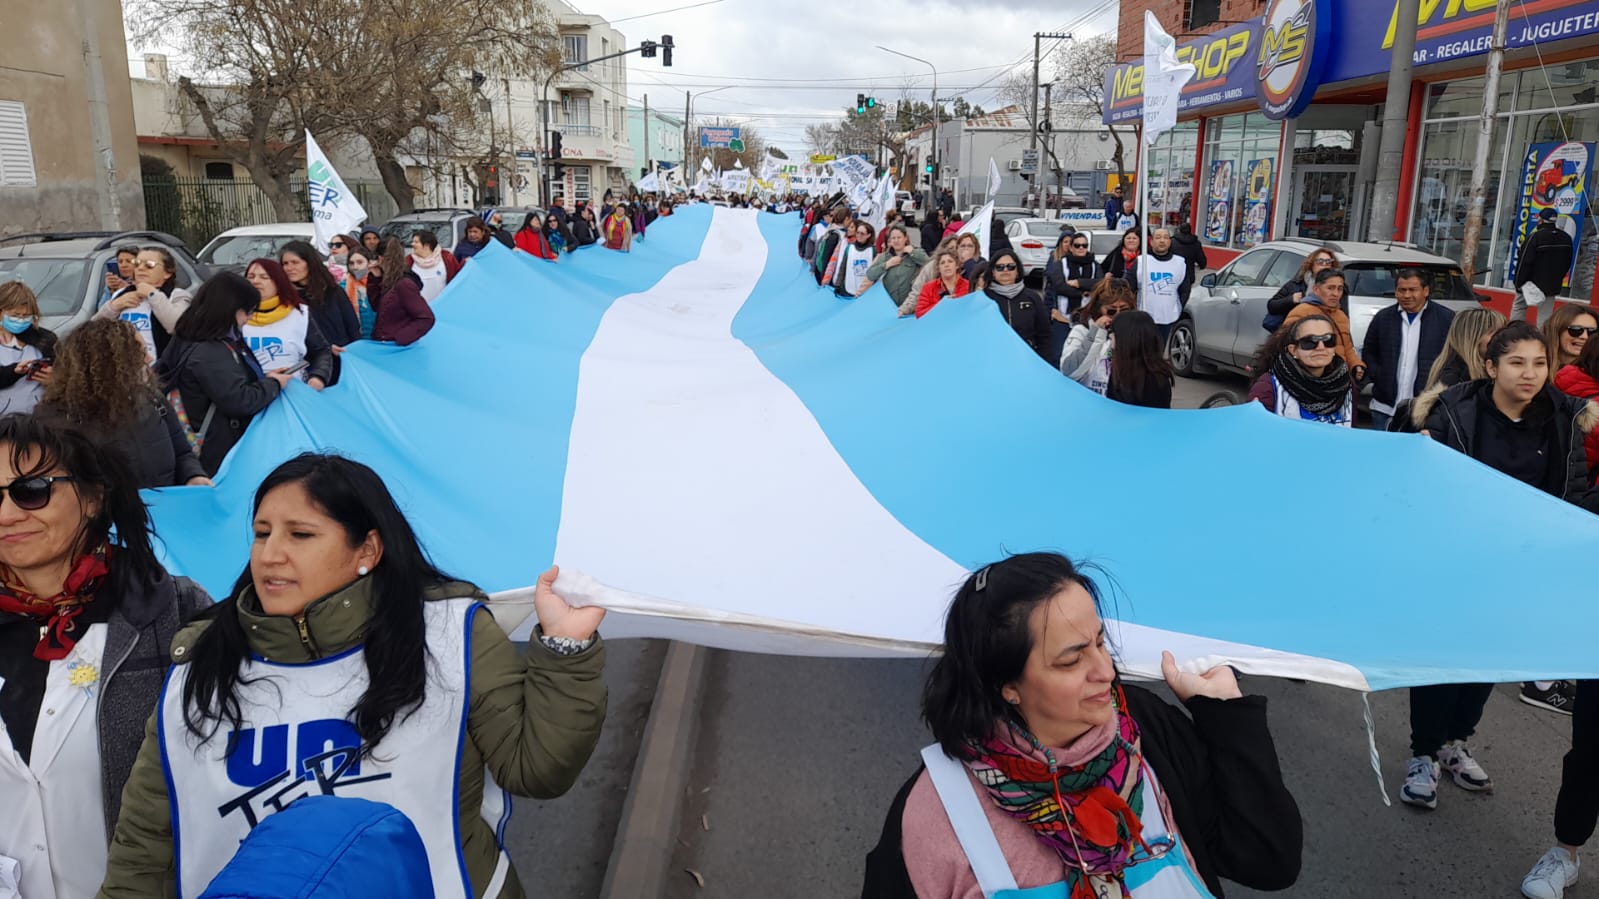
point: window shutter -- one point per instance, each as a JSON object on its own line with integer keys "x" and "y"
{"x": 16, "y": 150}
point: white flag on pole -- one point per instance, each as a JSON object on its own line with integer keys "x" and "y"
{"x": 993, "y": 178}
{"x": 649, "y": 183}
{"x": 705, "y": 165}
{"x": 980, "y": 224}
{"x": 1164, "y": 78}
{"x": 334, "y": 210}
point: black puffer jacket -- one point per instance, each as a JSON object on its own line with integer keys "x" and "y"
{"x": 215, "y": 373}
{"x": 1084, "y": 271}
{"x": 1545, "y": 259}
{"x": 1454, "y": 417}
{"x": 156, "y": 447}
{"x": 1028, "y": 317}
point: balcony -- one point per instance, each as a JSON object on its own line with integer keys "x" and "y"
{"x": 570, "y": 130}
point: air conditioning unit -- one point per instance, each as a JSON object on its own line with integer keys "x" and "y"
{"x": 1103, "y": 165}
{"x": 1014, "y": 165}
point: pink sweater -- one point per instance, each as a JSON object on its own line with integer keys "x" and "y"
{"x": 936, "y": 862}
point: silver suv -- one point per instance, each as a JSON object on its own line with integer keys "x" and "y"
{"x": 1221, "y": 326}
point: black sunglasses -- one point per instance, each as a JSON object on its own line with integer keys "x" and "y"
{"x": 1579, "y": 331}
{"x": 1315, "y": 340}
{"x": 338, "y": 245}
{"x": 1005, "y": 267}
{"x": 33, "y": 493}
{"x": 1079, "y": 246}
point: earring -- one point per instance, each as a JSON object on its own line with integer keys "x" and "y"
{"x": 362, "y": 571}
{"x": 1016, "y": 701}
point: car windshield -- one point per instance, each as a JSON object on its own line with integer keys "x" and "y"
{"x": 403, "y": 230}
{"x": 1376, "y": 279}
{"x": 241, "y": 248}
{"x": 1043, "y": 229}
{"x": 511, "y": 220}
{"x": 1100, "y": 243}
{"x": 58, "y": 283}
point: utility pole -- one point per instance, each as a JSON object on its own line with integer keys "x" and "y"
{"x": 510, "y": 138}
{"x": 1032, "y": 144}
{"x": 647, "y": 133}
{"x": 1049, "y": 149}
{"x": 1395, "y": 118}
{"x": 684, "y": 163}
{"x": 1490, "y": 118}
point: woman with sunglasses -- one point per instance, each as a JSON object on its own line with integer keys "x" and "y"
{"x": 1303, "y": 377}
{"x": 1071, "y": 273}
{"x": 339, "y": 255}
{"x": 211, "y": 366}
{"x": 103, "y": 386}
{"x": 1086, "y": 358}
{"x": 1023, "y": 308}
{"x": 27, "y": 351}
{"x": 342, "y": 632}
{"x": 155, "y": 301}
{"x": 1295, "y": 289}
{"x": 1051, "y": 777}
{"x": 1567, "y": 331}
{"x": 86, "y": 616}
{"x": 1513, "y": 421}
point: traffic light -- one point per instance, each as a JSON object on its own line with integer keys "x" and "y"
{"x": 647, "y": 50}
{"x": 871, "y": 102}
{"x": 928, "y": 169}
{"x": 666, "y": 50}
{"x": 555, "y": 145}
{"x": 860, "y": 104}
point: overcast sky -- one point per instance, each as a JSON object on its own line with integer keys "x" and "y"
{"x": 801, "y": 46}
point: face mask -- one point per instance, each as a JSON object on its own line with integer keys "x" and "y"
{"x": 358, "y": 270}
{"x": 15, "y": 325}
{"x": 339, "y": 258}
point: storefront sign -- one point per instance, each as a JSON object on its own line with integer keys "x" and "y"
{"x": 1257, "y": 203}
{"x": 1359, "y": 41}
{"x": 1219, "y": 201}
{"x": 719, "y": 137}
{"x": 1554, "y": 176}
{"x": 1225, "y": 74}
{"x": 1295, "y": 41}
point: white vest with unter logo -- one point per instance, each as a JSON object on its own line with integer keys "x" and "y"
{"x": 282, "y": 343}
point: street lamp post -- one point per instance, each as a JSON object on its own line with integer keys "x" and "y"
{"x": 932, "y": 186}
{"x": 544, "y": 102}
{"x": 688, "y": 119}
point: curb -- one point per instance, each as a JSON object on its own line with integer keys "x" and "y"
{"x": 647, "y": 833}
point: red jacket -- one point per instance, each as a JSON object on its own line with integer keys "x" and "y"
{"x": 452, "y": 265}
{"x": 1576, "y": 382}
{"x": 933, "y": 292}
{"x": 533, "y": 241}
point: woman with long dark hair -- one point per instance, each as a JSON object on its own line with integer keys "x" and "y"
{"x": 1122, "y": 262}
{"x": 221, "y": 383}
{"x": 1139, "y": 372}
{"x": 534, "y": 240}
{"x": 585, "y": 230}
{"x": 1023, "y": 308}
{"x": 1516, "y": 422}
{"x": 1302, "y": 376}
{"x": 281, "y": 331}
{"x": 1567, "y": 331}
{"x": 86, "y": 616}
{"x": 320, "y": 292}
{"x": 1050, "y": 774}
{"x": 395, "y": 681}
{"x": 102, "y": 385}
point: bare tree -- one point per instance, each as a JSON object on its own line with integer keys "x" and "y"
{"x": 390, "y": 71}
{"x": 821, "y": 137}
{"x": 1079, "y": 68}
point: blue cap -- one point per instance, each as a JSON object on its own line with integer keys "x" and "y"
{"x": 488, "y": 213}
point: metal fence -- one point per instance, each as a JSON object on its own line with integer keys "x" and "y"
{"x": 198, "y": 209}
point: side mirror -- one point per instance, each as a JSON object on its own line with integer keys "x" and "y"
{"x": 1482, "y": 298}
{"x": 1208, "y": 282}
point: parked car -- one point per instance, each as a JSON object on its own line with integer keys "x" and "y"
{"x": 233, "y": 249}
{"x": 67, "y": 270}
{"x": 512, "y": 217}
{"x": 1033, "y": 239}
{"x": 1221, "y": 326}
{"x": 448, "y": 225}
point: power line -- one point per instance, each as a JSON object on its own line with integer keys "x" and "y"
{"x": 742, "y": 78}
{"x": 662, "y": 12}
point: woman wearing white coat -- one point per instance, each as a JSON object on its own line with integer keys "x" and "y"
{"x": 85, "y": 621}
{"x": 1086, "y": 356}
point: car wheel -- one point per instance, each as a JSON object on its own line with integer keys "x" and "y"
{"x": 1181, "y": 348}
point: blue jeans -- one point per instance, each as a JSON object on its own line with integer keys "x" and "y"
{"x": 1379, "y": 420}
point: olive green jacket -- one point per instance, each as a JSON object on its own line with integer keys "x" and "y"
{"x": 533, "y": 723}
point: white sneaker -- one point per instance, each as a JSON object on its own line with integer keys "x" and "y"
{"x": 1455, "y": 758}
{"x": 1421, "y": 783}
{"x": 1549, "y": 878}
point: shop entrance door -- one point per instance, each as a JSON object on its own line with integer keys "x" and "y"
{"x": 1324, "y": 202}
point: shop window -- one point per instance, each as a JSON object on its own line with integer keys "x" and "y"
{"x": 1169, "y": 176}
{"x": 1199, "y": 13}
{"x": 1237, "y": 184}
{"x": 581, "y": 184}
{"x": 219, "y": 171}
{"x": 16, "y": 149}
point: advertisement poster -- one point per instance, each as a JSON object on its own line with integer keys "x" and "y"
{"x": 1219, "y": 201}
{"x": 1257, "y": 203}
{"x": 1554, "y": 175}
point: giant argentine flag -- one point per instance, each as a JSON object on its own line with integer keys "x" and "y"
{"x": 718, "y": 451}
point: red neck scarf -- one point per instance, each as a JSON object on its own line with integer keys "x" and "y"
{"x": 57, "y": 637}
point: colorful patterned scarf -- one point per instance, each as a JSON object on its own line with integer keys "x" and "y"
{"x": 57, "y": 637}
{"x": 1099, "y": 830}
